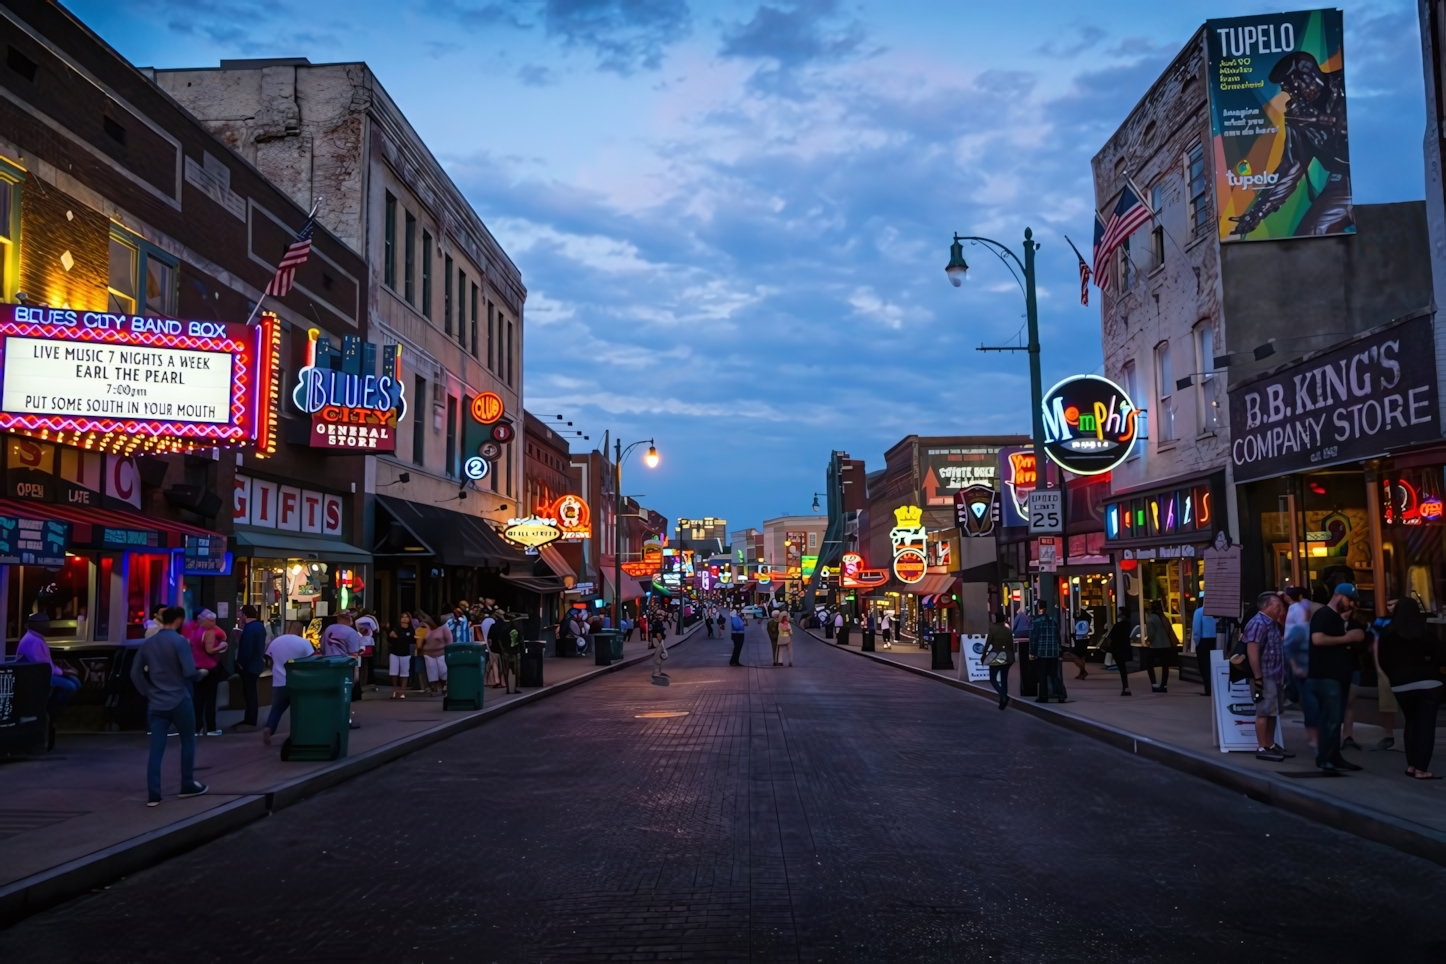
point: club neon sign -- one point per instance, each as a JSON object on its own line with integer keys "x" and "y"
{"x": 121, "y": 383}
{"x": 1089, "y": 424}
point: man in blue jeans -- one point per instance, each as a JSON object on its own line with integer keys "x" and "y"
{"x": 738, "y": 627}
{"x": 163, "y": 673}
{"x": 1331, "y": 665}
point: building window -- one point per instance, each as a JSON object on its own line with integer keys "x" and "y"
{"x": 491, "y": 335}
{"x": 508, "y": 456}
{"x": 1125, "y": 267}
{"x": 409, "y": 261}
{"x": 1207, "y": 386}
{"x": 1199, "y": 192}
{"x": 461, "y": 305}
{"x": 9, "y": 231}
{"x": 426, "y": 274}
{"x": 447, "y": 294}
{"x": 419, "y": 421}
{"x": 813, "y": 540}
{"x": 1164, "y": 392}
{"x": 474, "y": 321}
{"x": 1157, "y": 233}
{"x": 509, "y": 354}
{"x": 142, "y": 278}
{"x": 389, "y": 244}
{"x": 452, "y": 436}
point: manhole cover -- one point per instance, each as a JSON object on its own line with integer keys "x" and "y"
{"x": 660, "y": 714}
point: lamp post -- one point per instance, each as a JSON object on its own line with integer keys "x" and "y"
{"x": 652, "y": 462}
{"x": 956, "y": 270}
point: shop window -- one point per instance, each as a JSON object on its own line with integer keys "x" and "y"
{"x": 1207, "y": 386}
{"x": 64, "y": 595}
{"x": 142, "y": 277}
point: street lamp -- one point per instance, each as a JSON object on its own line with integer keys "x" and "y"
{"x": 651, "y": 459}
{"x": 956, "y": 270}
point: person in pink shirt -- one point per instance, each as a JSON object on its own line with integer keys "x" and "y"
{"x": 208, "y": 644}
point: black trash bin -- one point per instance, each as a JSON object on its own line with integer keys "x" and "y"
{"x": 530, "y": 673}
{"x": 868, "y": 641}
{"x": 1027, "y": 684}
{"x": 602, "y": 646}
{"x": 941, "y": 645}
{"x": 828, "y": 630}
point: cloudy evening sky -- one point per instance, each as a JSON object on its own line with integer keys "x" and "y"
{"x": 733, "y": 218}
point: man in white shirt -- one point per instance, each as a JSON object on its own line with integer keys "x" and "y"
{"x": 282, "y": 650}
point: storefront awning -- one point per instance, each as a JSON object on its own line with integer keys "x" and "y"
{"x": 932, "y": 584}
{"x": 554, "y": 561}
{"x": 273, "y": 544}
{"x": 453, "y": 538}
{"x": 95, "y": 528}
{"x": 631, "y": 589}
{"x": 538, "y": 584}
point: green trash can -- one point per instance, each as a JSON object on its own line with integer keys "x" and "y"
{"x": 617, "y": 644}
{"x": 465, "y": 662}
{"x": 320, "y": 690}
{"x": 603, "y": 648}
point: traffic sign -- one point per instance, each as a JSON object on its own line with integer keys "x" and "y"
{"x": 1048, "y": 554}
{"x": 1046, "y": 511}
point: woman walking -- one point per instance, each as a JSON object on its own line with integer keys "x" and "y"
{"x": 1118, "y": 643}
{"x": 1404, "y": 651}
{"x": 434, "y": 656}
{"x": 785, "y": 637}
{"x": 208, "y": 643}
{"x": 401, "y": 643}
{"x": 998, "y": 655}
{"x": 1161, "y": 651}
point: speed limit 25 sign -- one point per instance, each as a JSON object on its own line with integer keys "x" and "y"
{"x": 1046, "y": 511}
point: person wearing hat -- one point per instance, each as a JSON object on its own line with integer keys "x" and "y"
{"x": 33, "y": 649}
{"x": 1330, "y": 667}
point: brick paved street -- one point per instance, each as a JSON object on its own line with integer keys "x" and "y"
{"x": 835, "y": 811}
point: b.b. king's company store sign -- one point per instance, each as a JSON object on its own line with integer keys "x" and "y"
{"x": 1349, "y": 403}
{"x": 350, "y": 409}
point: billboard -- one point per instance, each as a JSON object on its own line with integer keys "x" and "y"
{"x": 1278, "y": 118}
{"x": 945, "y": 471}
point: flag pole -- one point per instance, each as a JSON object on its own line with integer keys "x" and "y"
{"x": 257, "y": 307}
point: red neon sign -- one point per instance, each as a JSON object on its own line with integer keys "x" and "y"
{"x": 121, "y": 382}
{"x": 853, "y": 573}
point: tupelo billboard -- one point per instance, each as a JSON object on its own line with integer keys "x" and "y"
{"x": 1278, "y": 119}
{"x": 1341, "y": 405}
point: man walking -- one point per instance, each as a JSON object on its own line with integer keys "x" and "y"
{"x": 341, "y": 639}
{"x": 773, "y": 635}
{"x": 1044, "y": 650}
{"x": 738, "y": 627}
{"x": 1330, "y": 669}
{"x": 1264, "y": 650}
{"x": 250, "y": 663}
{"x": 163, "y": 673}
{"x": 509, "y": 642}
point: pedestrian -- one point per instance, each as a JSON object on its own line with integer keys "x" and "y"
{"x": 1082, "y": 631}
{"x": 1044, "y": 649}
{"x": 658, "y": 628}
{"x": 208, "y": 643}
{"x": 458, "y": 627}
{"x": 421, "y": 625}
{"x": 1118, "y": 641}
{"x": 342, "y": 639}
{"x": 163, "y": 672}
{"x": 998, "y": 656}
{"x": 401, "y": 641}
{"x": 841, "y": 629}
{"x": 708, "y": 624}
{"x": 282, "y": 650}
{"x": 1404, "y": 651}
{"x": 509, "y": 641}
{"x": 1329, "y": 672}
{"x": 738, "y": 628}
{"x": 153, "y": 624}
{"x": 1263, "y": 649}
{"x": 369, "y": 630}
{"x": 434, "y": 656}
{"x": 1202, "y": 632}
{"x": 1161, "y": 650}
{"x": 250, "y": 664}
{"x": 887, "y": 625}
{"x": 64, "y": 684}
{"x": 1296, "y": 648}
{"x": 785, "y": 640}
{"x": 773, "y": 635}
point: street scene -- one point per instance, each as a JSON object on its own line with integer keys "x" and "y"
{"x": 602, "y": 481}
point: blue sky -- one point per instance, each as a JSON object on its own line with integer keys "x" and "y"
{"x": 733, "y": 217}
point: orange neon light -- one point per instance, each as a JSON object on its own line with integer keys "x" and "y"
{"x": 487, "y": 408}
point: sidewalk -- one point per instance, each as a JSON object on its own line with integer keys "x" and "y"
{"x": 1176, "y": 728}
{"x": 76, "y": 819}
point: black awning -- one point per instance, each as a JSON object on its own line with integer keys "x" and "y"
{"x": 452, "y": 538}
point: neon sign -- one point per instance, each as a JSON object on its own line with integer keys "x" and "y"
{"x": 118, "y": 383}
{"x": 350, "y": 410}
{"x": 487, "y": 408}
{"x": 572, "y": 515}
{"x": 854, "y": 573}
{"x": 1089, "y": 424}
{"x": 531, "y": 532}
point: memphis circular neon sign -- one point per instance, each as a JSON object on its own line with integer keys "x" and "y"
{"x": 1090, "y": 424}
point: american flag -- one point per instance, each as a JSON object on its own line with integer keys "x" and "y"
{"x": 1129, "y": 215}
{"x": 1084, "y": 274}
{"x": 1102, "y": 270}
{"x": 294, "y": 258}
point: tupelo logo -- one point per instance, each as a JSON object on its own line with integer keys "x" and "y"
{"x": 1244, "y": 178}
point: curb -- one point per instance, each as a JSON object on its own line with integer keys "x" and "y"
{"x": 1375, "y": 825}
{"x": 35, "y": 893}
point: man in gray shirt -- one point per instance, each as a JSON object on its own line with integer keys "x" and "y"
{"x": 163, "y": 673}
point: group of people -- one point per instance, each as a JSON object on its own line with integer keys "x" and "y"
{"x": 417, "y": 648}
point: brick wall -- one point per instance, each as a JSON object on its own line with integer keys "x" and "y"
{"x": 52, "y": 223}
